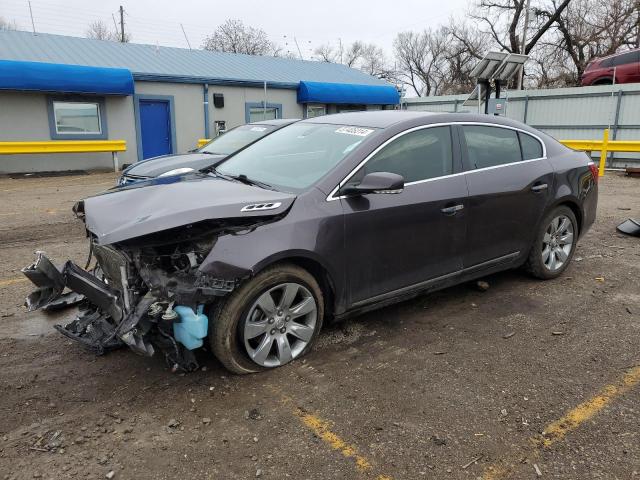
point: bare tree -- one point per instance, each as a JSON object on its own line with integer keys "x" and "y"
{"x": 99, "y": 30}
{"x": 421, "y": 60}
{"x": 8, "y": 24}
{"x": 327, "y": 53}
{"x": 591, "y": 28}
{"x": 464, "y": 47}
{"x": 505, "y": 21}
{"x": 367, "y": 57}
{"x": 235, "y": 37}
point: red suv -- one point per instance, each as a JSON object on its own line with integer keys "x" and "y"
{"x": 600, "y": 71}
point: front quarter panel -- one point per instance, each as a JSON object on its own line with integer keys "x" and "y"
{"x": 313, "y": 230}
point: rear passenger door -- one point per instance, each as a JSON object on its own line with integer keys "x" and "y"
{"x": 509, "y": 183}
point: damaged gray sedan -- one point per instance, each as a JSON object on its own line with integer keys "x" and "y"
{"x": 322, "y": 219}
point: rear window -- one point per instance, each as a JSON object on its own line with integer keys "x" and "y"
{"x": 491, "y": 146}
{"x": 531, "y": 148}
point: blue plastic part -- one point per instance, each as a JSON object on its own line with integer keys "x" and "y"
{"x": 341, "y": 93}
{"x": 54, "y": 77}
{"x": 192, "y": 328}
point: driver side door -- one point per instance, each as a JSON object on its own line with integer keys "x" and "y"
{"x": 399, "y": 242}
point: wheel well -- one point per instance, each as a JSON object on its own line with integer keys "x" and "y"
{"x": 603, "y": 81}
{"x": 576, "y": 211}
{"x": 322, "y": 277}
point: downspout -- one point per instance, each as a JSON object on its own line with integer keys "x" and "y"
{"x": 205, "y": 92}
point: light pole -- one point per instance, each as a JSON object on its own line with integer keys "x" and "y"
{"x": 524, "y": 42}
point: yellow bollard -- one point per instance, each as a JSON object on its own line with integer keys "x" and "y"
{"x": 603, "y": 152}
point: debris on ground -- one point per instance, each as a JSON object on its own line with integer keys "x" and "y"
{"x": 475, "y": 460}
{"x": 537, "y": 469}
{"x": 482, "y": 285}
{"x": 509, "y": 335}
{"x": 438, "y": 441}
{"x": 557, "y": 332}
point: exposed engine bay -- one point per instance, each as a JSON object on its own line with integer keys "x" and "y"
{"x": 147, "y": 292}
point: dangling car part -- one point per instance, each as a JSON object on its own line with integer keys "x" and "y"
{"x": 326, "y": 217}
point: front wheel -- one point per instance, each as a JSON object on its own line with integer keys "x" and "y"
{"x": 269, "y": 321}
{"x": 554, "y": 245}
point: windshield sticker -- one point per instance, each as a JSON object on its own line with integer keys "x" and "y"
{"x": 360, "y": 132}
{"x": 258, "y": 129}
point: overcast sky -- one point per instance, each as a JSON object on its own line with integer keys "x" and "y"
{"x": 310, "y": 22}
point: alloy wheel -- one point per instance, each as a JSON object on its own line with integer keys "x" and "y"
{"x": 280, "y": 324}
{"x": 557, "y": 243}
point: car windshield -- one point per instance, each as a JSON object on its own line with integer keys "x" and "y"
{"x": 296, "y": 156}
{"x": 235, "y": 139}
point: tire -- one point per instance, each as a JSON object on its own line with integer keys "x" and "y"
{"x": 547, "y": 245}
{"x": 230, "y": 317}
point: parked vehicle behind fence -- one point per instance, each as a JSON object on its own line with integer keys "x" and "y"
{"x": 209, "y": 154}
{"x": 625, "y": 66}
{"x": 322, "y": 219}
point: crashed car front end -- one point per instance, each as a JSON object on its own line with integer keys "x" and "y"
{"x": 146, "y": 290}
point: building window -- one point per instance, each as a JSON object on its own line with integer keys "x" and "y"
{"x": 77, "y": 119}
{"x": 316, "y": 111}
{"x": 256, "y": 112}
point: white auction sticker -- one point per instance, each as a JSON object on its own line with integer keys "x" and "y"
{"x": 258, "y": 129}
{"x": 360, "y": 132}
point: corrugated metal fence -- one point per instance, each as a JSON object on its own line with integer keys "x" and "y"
{"x": 564, "y": 113}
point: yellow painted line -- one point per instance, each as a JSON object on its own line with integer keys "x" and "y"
{"x": 12, "y": 281}
{"x": 63, "y": 146}
{"x": 558, "y": 430}
{"x": 585, "y": 411}
{"x": 322, "y": 429}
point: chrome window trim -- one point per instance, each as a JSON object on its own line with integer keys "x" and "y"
{"x": 331, "y": 197}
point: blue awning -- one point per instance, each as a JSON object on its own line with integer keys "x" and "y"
{"x": 53, "y": 77}
{"x": 341, "y": 93}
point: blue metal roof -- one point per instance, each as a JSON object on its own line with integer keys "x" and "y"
{"x": 150, "y": 62}
{"x": 52, "y": 77}
{"x": 341, "y": 93}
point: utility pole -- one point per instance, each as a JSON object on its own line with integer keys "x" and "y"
{"x": 524, "y": 42}
{"x": 33, "y": 24}
{"x": 121, "y": 24}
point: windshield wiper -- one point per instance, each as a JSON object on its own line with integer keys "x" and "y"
{"x": 251, "y": 181}
{"x": 242, "y": 178}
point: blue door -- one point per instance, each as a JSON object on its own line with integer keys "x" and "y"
{"x": 155, "y": 127}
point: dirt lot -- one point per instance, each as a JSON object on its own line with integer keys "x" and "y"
{"x": 459, "y": 384}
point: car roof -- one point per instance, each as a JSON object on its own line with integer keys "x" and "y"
{"x": 371, "y": 118}
{"x": 276, "y": 122}
{"x": 617, "y": 54}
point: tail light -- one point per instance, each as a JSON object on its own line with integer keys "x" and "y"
{"x": 594, "y": 172}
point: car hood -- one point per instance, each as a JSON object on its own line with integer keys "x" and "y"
{"x": 159, "y": 165}
{"x": 160, "y": 204}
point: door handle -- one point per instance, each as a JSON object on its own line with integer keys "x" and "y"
{"x": 538, "y": 187}
{"x": 452, "y": 210}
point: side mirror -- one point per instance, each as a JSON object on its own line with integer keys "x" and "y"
{"x": 376, "y": 182}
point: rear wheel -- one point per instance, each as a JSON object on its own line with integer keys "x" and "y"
{"x": 554, "y": 244}
{"x": 269, "y": 321}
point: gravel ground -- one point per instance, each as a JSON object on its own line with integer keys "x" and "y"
{"x": 417, "y": 390}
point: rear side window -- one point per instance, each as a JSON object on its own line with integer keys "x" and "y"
{"x": 531, "y": 148}
{"x": 491, "y": 146}
{"x": 624, "y": 59}
{"x": 418, "y": 155}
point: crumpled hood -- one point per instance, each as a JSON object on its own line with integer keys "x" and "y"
{"x": 159, "y": 165}
{"x": 125, "y": 213}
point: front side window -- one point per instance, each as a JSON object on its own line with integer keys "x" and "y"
{"x": 235, "y": 139}
{"x": 418, "y": 155}
{"x": 491, "y": 146}
{"x": 77, "y": 118}
{"x": 295, "y": 157}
